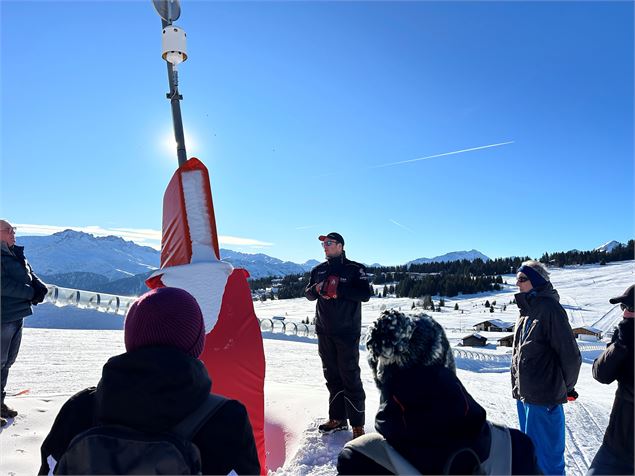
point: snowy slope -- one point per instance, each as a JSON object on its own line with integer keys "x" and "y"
{"x": 54, "y": 364}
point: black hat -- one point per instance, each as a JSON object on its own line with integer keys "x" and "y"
{"x": 626, "y": 298}
{"x": 333, "y": 236}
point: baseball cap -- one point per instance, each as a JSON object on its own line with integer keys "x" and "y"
{"x": 626, "y": 298}
{"x": 333, "y": 236}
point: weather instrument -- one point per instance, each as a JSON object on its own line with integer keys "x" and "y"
{"x": 174, "y": 53}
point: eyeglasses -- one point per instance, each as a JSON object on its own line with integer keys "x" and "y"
{"x": 522, "y": 279}
{"x": 626, "y": 307}
{"x": 11, "y": 229}
{"x": 329, "y": 243}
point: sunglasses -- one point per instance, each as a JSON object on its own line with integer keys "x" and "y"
{"x": 625, "y": 307}
{"x": 326, "y": 243}
{"x": 522, "y": 279}
{"x": 11, "y": 229}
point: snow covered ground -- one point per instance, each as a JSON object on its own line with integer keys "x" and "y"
{"x": 55, "y": 363}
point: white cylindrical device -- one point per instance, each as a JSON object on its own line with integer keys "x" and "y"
{"x": 173, "y": 42}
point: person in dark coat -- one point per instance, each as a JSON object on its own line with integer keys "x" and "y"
{"x": 155, "y": 384}
{"x": 427, "y": 421}
{"x": 21, "y": 289}
{"x": 615, "y": 455}
{"x": 545, "y": 365}
{"x": 340, "y": 286}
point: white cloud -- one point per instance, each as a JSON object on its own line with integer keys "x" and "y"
{"x": 140, "y": 236}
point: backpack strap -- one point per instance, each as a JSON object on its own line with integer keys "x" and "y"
{"x": 191, "y": 424}
{"x": 499, "y": 460}
{"x": 478, "y": 467}
{"x": 374, "y": 446}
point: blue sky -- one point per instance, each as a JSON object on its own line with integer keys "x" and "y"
{"x": 294, "y": 106}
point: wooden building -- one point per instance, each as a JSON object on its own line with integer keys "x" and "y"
{"x": 587, "y": 333}
{"x": 494, "y": 325}
{"x": 506, "y": 341}
{"x": 474, "y": 340}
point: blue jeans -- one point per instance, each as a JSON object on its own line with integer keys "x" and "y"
{"x": 605, "y": 462}
{"x": 545, "y": 426}
{"x": 9, "y": 346}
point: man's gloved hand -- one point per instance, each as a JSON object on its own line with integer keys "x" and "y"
{"x": 328, "y": 288}
{"x": 572, "y": 395}
{"x": 40, "y": 294}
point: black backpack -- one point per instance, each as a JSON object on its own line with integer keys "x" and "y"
{"x": 115, "y": 449}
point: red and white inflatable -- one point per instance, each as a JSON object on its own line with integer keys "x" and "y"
{"x": 190, "y": 260}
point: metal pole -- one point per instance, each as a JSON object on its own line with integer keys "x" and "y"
{"x": 174, "y": 98}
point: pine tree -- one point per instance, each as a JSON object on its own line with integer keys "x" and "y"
{"x": 487, "y": 303}
{"x": 456, "y": 306}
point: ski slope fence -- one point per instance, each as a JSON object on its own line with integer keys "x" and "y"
{"x": 113, "y": 304}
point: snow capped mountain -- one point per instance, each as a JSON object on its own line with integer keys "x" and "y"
{"x": 71, "y": 258}
{"x": 608, "y": 247}
{"x": 260, "y": 265}
{"x": 71, "y": 251}
{"x": 453, "y": 256}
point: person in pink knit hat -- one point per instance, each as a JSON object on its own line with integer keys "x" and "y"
{"x": 155, "y": 385}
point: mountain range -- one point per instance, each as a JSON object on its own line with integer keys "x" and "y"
{"x": 113, "y": 265}
{"x": 453, "y": 256}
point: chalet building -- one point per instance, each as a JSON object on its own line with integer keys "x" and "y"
{"x": 474, "y": 340}
{"x": 587, "y": 333}
{"x": 494, "y": 325}
{"x": 506, "y": 341}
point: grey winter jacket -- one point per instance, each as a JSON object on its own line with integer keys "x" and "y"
{"x": 546, "y": 358}
{"x": 20, "y": 285}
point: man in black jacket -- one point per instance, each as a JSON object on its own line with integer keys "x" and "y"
{"x": 156, "y": 384}
{"x": 427, "y": 421}
{"x": 545, "y": 365}
{"x": 21, "y": 289}
{"x": 340, "y": 286}
{"x": 615, "y": 456}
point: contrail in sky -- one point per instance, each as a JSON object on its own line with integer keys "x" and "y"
{"x": 441, "y": 155}
{"x": 400, "y": 225}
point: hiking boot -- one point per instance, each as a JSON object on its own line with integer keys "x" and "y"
{"x": 333, "y": 425}
{"x": 358, "y": 431}
{"x": 3, "y": 422}
{"x": 6, "y": 412}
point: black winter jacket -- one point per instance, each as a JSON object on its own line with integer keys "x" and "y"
{"x": 19, "y": 284}
{"x": 151, "y": 390}
{"x": 616, "y": 363}
{"x": 343, "y": 315}
{"x": 546, "y": 359}
{"x": 426, "y": 415}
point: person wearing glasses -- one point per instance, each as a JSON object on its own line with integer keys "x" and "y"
{"x": 340, "y": 286}
{"x": 545, "y": 365}
{"x": 21, "y": 288}
{"x": 615, "y": 455}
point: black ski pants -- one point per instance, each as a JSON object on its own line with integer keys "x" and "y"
{"x": 340, "y": 363}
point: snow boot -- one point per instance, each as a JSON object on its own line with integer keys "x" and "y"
{"x": 6, "y": 412}
{"x": 333, "y": 425}
{"x": 358, "y": 431}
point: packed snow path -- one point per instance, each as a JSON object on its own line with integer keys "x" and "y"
{"x": 54, "y": 364}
